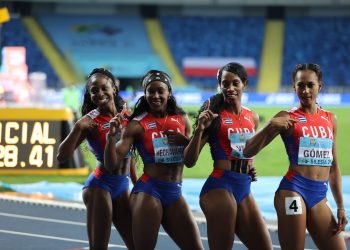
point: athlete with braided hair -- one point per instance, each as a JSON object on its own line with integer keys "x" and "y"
{"x": 106, "y": 193}
{"x": 226, "y": 200}
{"x": 159, "y": 130}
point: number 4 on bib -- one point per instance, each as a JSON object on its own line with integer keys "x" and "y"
{"x": 293, "y": 205}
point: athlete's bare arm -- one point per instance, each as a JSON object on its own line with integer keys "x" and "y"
{"x": 115, "y": 152}
{"x": 74, "y": 138}
{"x": 280, "y": 123}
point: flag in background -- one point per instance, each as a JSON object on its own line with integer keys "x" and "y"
{"x": 208, "y": 66}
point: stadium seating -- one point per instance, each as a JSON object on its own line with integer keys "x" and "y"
{"x": 214, "y": 37}
{"x": 97, "y": 41}
{"x": 321, "y": 40}
{"x": 119, "y": 43}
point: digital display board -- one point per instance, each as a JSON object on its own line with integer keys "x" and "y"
{"x": 29, "y": 144}
{"x": 29, "y": 138}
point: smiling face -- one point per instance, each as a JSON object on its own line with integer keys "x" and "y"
{"x": 157, "y": 95}
{"x": 307, "y": 86}
{"x": 101, "y": 90}
{"x": 232, "y": 87}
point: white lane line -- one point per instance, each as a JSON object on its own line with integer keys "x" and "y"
{"x": 19, "y": 216}
{"x": 82, "y": 224}
{"x": 82, "y": 207}
{"x": 52, "y": 237}
{"x": 52, "y": 203}
{"x": 42, "y": 219}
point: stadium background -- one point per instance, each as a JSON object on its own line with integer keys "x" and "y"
{"x": 49, "y": 47}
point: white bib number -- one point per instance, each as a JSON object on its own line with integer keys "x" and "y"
{"x": 315, "y": 151}
{"x": 238, "y": 143}
{"x": 166, "y": 153}
{"x": 293, "y": 205}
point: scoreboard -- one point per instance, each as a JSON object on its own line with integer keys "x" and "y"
{"x": 29, "y": 140}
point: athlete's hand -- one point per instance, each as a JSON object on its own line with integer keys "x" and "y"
{"x": 283, "y": 123}
{"x": 206, "y": 117}
{"x": 176, "y": 138}
{"x": 252, "y": 173}
{"x": 124, "y": 111}
{"x": 342, "y": 221}
{"x": 115, "y": 124}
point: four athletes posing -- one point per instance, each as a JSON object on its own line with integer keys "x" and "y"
{"x": 160, "y": 131}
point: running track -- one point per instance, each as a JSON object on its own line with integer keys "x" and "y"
{"x": 45, "y": 224}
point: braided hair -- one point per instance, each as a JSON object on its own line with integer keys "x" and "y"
{"x": 88, "y": 105}
{"x": 217, "y": 101}
{"x": 142, "y": 105}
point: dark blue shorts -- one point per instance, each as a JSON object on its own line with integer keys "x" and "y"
{"x": 236, "y": 183}
{"x": 116, "y": 185}
{"x": 166, "y": 192}
{"x": 312, "y": 191}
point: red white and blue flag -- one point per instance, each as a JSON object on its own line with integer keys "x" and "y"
{"x": 302, "y": 119}
{"x": 227, "y": 120}
{"x": 208, "y": 66}
{"x": 151, "y": 125}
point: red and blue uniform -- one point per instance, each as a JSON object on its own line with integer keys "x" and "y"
{"x": 154, "y": 149}
{"x": 310, "y": 145}
{"x": 114, "y": 184}
{"x": 228, "y": 144}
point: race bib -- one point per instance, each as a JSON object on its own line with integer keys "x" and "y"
{"x": 238, "y": 143}
{"x": 166, "y": 153}
{"x": 293, "y": 205}
{"x": 315, "y": 151}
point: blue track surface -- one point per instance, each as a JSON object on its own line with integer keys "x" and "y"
{"x": 263, "y": 191}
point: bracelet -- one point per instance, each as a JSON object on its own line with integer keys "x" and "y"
{"x": 341, "y": 209}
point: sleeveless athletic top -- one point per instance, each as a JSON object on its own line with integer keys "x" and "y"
{"x": 312, "y": 139}
{"x": 234, "y": 131}
{"x": 97, "y": 145}
{"x": 154, "y": 147}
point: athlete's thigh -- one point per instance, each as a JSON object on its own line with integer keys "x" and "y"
{"x": 121, "y": 208}
{"x": 98, "y": 204}
{"x": 251, "y": 228}
{"x": 146, "y": 213}
{"x": 220, "y": 210}
{"x": 219, "y": 205}
{"x": 122, "y": 218}
{"x": 179, "y": 222}
{"x": 291, "y": 212}
{"x": 320, "y": 224}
